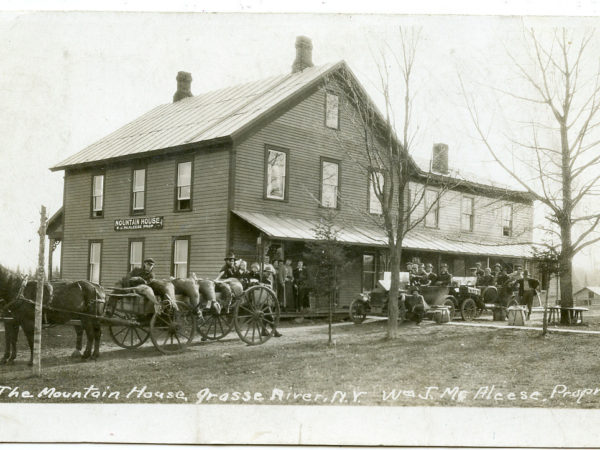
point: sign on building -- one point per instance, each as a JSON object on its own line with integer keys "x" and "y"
{"x": 139, "y": 223}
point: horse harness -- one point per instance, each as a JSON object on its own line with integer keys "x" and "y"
{"x": 20, "y": 297}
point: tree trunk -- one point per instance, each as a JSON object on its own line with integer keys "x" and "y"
{"x": 566, "y": 272}
{"x": 393, "y": 293}
{"x": 566, "y": 289}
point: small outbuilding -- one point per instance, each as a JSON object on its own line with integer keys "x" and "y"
{"x": 587, "y": 296}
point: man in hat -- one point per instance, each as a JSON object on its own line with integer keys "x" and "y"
{"x": 496, "y": 272}
{"x": 141, "y": 275}
{"x": 445, "y": 277}
{"x": 487, "y": 279}
{"x": 479, "y": 272}
{"x": 139, "y": 278}
{"x": 228, "y": 270}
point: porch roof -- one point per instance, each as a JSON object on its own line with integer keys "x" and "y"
{"x": 278, "y": 226}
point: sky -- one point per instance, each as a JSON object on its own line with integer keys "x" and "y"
{"x": 70, "y": 78}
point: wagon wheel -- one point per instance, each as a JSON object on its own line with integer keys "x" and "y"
{"x": 128, "y": 336}
{"x": 215, "y": 325}
{"x": 468, "y": 309}
{"x": 172, "y": 330}
{"x": 358, "y": 312}
{"x": 256, "y": 315}
{"x": 449, "y": 303}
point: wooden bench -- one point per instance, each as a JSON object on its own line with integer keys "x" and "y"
{"x": 574, "y": 318}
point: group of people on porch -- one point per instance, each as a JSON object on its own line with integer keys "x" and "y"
{"x": 290, "y": 283}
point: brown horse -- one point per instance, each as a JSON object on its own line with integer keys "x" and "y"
{"x": 63, "y": 301}
{"x": 11, "y": 325}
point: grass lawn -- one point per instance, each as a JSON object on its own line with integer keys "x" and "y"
{"x": 430, "y": 365}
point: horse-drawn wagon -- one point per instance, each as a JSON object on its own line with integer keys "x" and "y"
{"x": 252, "y": 312}
{"x": 132, "y": 318}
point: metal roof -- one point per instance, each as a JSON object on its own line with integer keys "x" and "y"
{"x": 204, "y": 117}
{"x": 594, "y": 289}
{"x": 288, "y": 228}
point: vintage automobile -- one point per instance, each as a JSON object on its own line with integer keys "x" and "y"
{"x": 462, "y": 296}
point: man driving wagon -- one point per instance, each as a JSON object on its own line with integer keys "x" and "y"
{"x": 141, "y": 281}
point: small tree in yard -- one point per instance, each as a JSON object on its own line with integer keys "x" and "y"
{"x": 558, "y": 164}
{"x": 327, "y": 257}
{"x": 396, "y": 205}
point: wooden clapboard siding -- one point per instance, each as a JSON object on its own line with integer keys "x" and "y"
{"x": 301, "y": 129}
{"x": 487, "y": 219}
{"x": 206, "y": 224}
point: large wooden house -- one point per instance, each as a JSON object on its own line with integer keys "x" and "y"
{"x": 222, "y": 171}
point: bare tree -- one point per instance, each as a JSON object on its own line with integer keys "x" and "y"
{"x": 397, "y": 186}
{"x": 558, "y": 162}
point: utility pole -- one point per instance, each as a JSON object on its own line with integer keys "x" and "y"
{"x": 37, "y": 336}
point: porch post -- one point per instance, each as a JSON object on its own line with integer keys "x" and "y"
{"x": 50, "y": 253}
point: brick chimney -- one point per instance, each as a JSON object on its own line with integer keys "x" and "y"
{"x": 184, "y": 86}
{"x": 439, "y": 158}
{"x": 303, "y": 54}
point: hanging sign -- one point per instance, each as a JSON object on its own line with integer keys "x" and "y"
{"x": 139, "y": 223}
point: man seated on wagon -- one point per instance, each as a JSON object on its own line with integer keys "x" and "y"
{"x": 140, "y": 278}
{"x": 227, "y": 272}
{"x": 445, "y": 277}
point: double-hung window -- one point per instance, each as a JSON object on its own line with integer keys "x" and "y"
{"x": 136, "y": 253}
{"x": 97, "y": 195}
{"x": 432, "y": 208}
{"x": 330, "y": 181}
{"x": 138, "y": 194}
{"x": 94, "y": 261}
{"x": 181, "y": 255}
{"x": 369, "y": 272}
{"x": 276, "y": 173}
{"x": 467, "y": 214}
{"x": 375, "y": 191}
{"x": 183, "y": 195}
{"x": 507, "y": 220}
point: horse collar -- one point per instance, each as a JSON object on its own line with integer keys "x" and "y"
{"x": 19, "y": 295}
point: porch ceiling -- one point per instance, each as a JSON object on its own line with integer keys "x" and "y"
{"x": 278, "y": 226}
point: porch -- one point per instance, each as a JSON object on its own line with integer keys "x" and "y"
{"x": 281, "y": 238}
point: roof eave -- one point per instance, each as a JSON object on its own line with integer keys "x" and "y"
{"x": 486, "y": 188}
{"x": 162, "y": 151}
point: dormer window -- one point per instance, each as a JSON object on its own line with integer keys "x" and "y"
{"x": 332, "y": 111}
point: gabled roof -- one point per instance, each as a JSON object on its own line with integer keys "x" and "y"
{"x": 222, "y": 115}
{"x": 206, "y": 117}
{"x": 594, "y": 289}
